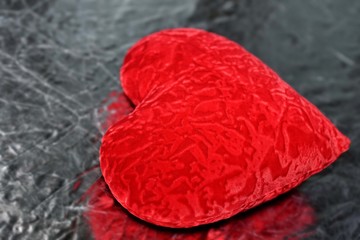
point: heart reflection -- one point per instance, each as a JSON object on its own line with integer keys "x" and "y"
{"x": 287, "y": 217}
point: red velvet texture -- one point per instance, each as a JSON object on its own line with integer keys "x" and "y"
{"x": 215, "y": 132}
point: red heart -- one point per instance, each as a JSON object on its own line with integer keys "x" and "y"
{"x": 215, "y": 132}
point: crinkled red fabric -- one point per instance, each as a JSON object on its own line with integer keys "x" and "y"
{"x": 215, "y": 132}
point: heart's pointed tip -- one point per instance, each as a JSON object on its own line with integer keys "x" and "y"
{"x": 344, "y": 143}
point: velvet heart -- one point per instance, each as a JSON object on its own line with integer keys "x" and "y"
{"x": 214, "y": 132}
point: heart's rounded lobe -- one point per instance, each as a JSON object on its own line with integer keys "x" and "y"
{"x": 215, "y": 132}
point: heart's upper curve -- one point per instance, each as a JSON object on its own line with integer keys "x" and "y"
{"x": 215, "y": 132}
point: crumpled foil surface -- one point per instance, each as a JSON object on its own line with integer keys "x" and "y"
{"x": 59, "y": 63}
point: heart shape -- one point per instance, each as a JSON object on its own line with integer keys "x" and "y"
{"x": 214, "y": 132}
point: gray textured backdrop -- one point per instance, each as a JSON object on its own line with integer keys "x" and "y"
{"x": 60, "y": 59}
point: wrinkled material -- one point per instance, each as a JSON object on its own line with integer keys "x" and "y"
{"x": 215, "y": 132}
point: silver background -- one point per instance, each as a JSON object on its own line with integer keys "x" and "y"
{"x": 60, "y": 59}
